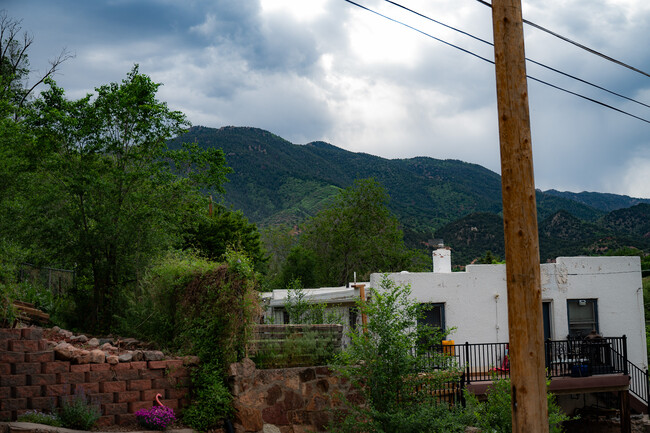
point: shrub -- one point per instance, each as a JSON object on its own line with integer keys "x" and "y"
{"x": 156, "y": 418}
{"x": 39, "y": 417}
{"x": 212, "y": 401}
{"x": 76, "y": 413}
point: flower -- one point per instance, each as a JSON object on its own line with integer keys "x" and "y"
{"x": 156, "y": 418}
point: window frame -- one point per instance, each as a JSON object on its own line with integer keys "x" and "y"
{"x": 594, "y": 324}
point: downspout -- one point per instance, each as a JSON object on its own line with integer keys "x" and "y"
{"x": 496, "y": 314}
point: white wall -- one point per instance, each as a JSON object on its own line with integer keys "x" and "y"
{"x": 476, "y": 300}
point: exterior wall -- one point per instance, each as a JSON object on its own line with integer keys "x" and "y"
{"x": 476, "y": 300}
{"x": 31, "y": 378}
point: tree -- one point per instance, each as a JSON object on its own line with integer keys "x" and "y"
{"x": 356, "y": 233}
{"x": 108, "y": 195}
{"x": 223, "y": 229}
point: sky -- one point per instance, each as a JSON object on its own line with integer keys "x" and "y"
{"x": 310, "y": 70}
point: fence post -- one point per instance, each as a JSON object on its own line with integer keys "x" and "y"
{"x": 467, "y": 366}
{"x": 625, "y": 368}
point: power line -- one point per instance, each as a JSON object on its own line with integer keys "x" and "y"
{"x": 577, "y": 44}
{"x": 528, "y": 59}
{"x": 492, "y": 62}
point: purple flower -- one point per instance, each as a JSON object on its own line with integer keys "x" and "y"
{"x": 156, "y": 418}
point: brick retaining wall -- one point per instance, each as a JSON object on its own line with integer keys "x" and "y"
{"x": 31, "y": 378}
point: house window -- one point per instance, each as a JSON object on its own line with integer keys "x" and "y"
{"x": 281, "y": 316}
{"x": 433, "y": 315}
{"x": 583, "y": 316}
{"x": 354, "y": 317}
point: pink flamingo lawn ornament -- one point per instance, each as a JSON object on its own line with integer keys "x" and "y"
{"x": 158, "y": 399}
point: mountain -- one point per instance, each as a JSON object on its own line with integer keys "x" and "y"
{"x": 275, "y": 181}
{"x": 603, "y": 201}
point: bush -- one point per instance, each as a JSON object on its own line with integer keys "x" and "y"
{"x": 38, "y": 417}
{"x": 212, "y": 401}
{"x": 78, "y": 414}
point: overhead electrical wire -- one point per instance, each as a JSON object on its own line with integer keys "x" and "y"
{"x": 492, "y": 61}
{"x": 528, "y": 59}
{"x": 577, "y": 44}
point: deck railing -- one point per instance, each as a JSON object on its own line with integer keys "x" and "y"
{"x": 571, "y": 357}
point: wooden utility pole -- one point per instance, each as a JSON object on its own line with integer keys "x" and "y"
{"x": 529, "y": 405}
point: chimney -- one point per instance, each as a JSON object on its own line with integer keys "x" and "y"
{"x": 442, "y": 260}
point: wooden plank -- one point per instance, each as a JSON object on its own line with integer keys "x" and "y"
{"x": 529, "y": 404}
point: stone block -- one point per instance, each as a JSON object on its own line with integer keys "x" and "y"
{"x": 97, "y": 356}
{"x": 31, "y": 333}
{"x": 28, "y": 391}
{"x": 100, "y": 366}
{"x": 151, "y": 374}
{"x": 105, "y": 421}
{"x": 249, "y": 418}
{"x": 115, "y": 408}
{"x": 127, "y": 374}
{"x": 41, "y": 403}
{"x": 13, "y": 380}
{"x": 114, "y": 386}
{"x": 101, "y": 398}
{"x": 5, "y": 392}
{"x": 13, "y": 404}
{"x": 72, "y": 377}
{"x": 11, "y": 357}
{"x": 26, "y": 368}
{"x": 79, "y": 368}
{"x": 307, "y": 374}
{"x": 42, "y": 356}
{"x": 135, "y": 406}
{"x": 126, "y": 396}
{"x": 138, "y": 385}
{"x": 41, "y": 379}
{"x": 86, "y": 388}
{"x": 5, "y": 369}
{"x": 139, "y": 365}
{"x": 56, "y": 390}
{"x": 150, "y": 395}
{"x": 275, "y": 414}
{"x": 23, "y": 346}
{"x": 56, "y": 367}
{"x": 99, "y": 376}
{"x": 175, "y": 392}
{"x": 125, "y": 419}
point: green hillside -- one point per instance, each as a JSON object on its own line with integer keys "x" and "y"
{"x": 275, "y": 181}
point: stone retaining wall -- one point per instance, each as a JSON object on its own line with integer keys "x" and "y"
{"x": 31, "y": 377}
{"x": 290, "y": 400}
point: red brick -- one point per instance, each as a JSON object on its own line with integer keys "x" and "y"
{"x": 45, "y": 356}
{"x": 27, "y": 368}
{"x": 99, "y": 376}
{"x": 161, "y": 383}
{"x": 5, "y": 415}
{"x": 127, "y": 374}
{"x": 41, "y": 402}
{"x": 151, "y": 394}
{"x": 5, "y": 369}
{"x": 23, "y": 346}
{"x": 44, "y": 345}
{"x": 87, "y": 388}
{"x": 139, "y": 385}
{"x": 27, "y": 391}
{"x": 4, "y": 344}
{"x": 9, "y": 334}
{"x": 157, "y": 365}
{"x": 56, "y": 390}
{"x": 31, "y": 333}
{"x": 41, "y": 379}
{"x": 5, "y": 392}
{"x": 179, "y": 372}
{"x": 172, "y": 403}
{"x": 122, "y": 366}
{"x": 101, "y": 398}
{"x": 174, "y": 363}
{"x": 125, "y": 420}
{"x": 56, "y": 367}
{"x": 140, "y": 365}
{"x": 176, "y": 393}
{"x": 78, "y": 368}
{"x": 137, "y": 405}
{"x": 11, "y": 357}
{"x": 79, "y": 377}
{"x": 126, "y": 396}
{"x": 100, "y": 367}
{"x": 13, "y": 404}
{"x": 112, "y": 386}
{"x": 13, "y": 380}
{"x": 115, "y": 408}
{"x": 105, "y": 421}
{"x": 151, "y": 374}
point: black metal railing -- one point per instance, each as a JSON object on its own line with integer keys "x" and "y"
{"x": 571, "y": 357}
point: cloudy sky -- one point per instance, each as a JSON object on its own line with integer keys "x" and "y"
{"x": 326, "y": 70}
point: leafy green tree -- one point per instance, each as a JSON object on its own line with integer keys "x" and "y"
{"x": 356, "y": 233}
{"x": 225, "y": 229}
{"x": 107, "y": 194}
